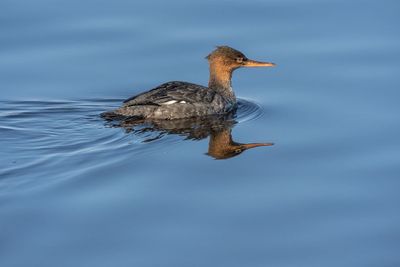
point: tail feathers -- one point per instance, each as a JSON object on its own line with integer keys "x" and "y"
{"x": 112, "y": 115}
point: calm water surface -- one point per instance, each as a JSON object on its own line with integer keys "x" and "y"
{"x": 77, "y": 191}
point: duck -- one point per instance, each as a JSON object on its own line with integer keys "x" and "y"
{"x": 182, "y": 100}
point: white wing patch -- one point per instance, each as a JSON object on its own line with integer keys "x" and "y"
{"x": 173, "y": 102}
{"x": 169, "y": 102}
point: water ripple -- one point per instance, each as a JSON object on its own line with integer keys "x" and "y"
{"x": 45, "y": 141}
{"x": 248, "y": 110}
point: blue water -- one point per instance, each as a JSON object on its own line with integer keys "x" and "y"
{"x": 77, "y": 191}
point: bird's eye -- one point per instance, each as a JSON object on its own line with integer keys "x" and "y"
{"x": 239, "y": 60}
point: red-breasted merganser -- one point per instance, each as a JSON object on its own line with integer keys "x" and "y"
{"x": 178, "y": 100}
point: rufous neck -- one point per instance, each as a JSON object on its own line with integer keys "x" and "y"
{"x": 220, "y": 80}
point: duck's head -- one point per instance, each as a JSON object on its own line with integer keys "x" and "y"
{"x": 227, "y": 58}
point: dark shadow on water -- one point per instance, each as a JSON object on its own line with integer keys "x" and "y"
{"x": 218, "y": 128}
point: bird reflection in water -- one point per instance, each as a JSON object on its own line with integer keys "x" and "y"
{"x": 218, "y": 128}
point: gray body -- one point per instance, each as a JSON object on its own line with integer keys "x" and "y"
{"x": 176, "y": 100}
